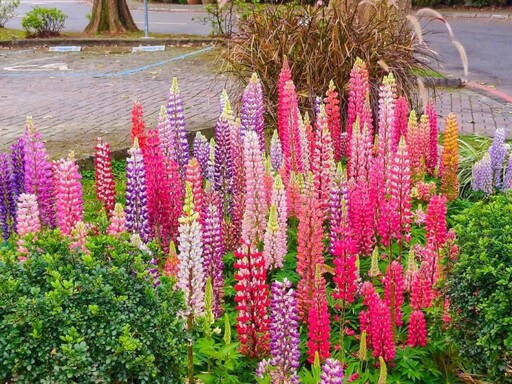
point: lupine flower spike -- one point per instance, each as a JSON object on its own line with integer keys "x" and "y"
{"x": 138, "y": 126}
{"x": 450, "y": 159}
{"x": 18, "y": 167}
{"x": 252, "y": 118}
{"x": 117, "y": 221}
{"x": 202, "y": 152}
{"x": 172, "y": 263}
{"x": 177, "y": 124}
{"x": 332, "y": 372}
{"x": 318, "y": 320}
{"x": 432, "y": 159}
{"x": 332, "y": 109}
{"x": 27, "y": 219}
{"x": 7, "y": 197}
{"x": 105, "y": 186}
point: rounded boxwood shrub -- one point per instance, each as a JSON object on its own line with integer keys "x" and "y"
{"x": 44, "y": 22}
{"x": 480, "y": 288}
{"x": 68, "y": 316}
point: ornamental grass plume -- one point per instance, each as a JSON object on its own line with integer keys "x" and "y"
{"x": 191, "y": 275}
{"x": 319, "y": 330}
{"x": 137, "y": 216}
{"x": 177, "y": 124}
{"x": 7, "y": 197}
{"x": 158, "y": 191}
{"x": 194, "y": 177}
{"x": 254, "y": 219}
{"x": 309, "y": 248}
{"x": 332, "y": 372}
{"x": 497, "y": 153}
{"x": 38, "y": 174}
{"x": 138, "y": 126}
{"x": 432, "y": 159}
{"x": 376, "y": 321}
{"x": 482, "y": 178}
{"x": 166, "y": 135}
{"x": 323, "y": 166}
{"x": 417, "y": 330}
{"x": 117, "y": 221}
{"x": 359, "y": 88}
{"x": 394, "y": 289}
{"x": 332, "y": 110}
{"x": 27, "y": 219}
{"x": 18, "y": 167}
{"x": 284, "y": 358}
{"x": 252, "y": 301}
{"x": 450, "y": 159}
{"x": 68, "y": 194}
{"x": 105, "y": 185}
{"x": 202, "y": 152}
{"x": 253, "y": 108}
{"x": 213, "y": 247}
{"x": 401, "y": 121}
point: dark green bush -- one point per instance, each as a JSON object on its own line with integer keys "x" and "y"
{"x": 44, "y": 22}
{"x": 89, "y": 318}
{"x": 480, "y": 288}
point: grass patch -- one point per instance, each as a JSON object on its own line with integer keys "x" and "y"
{"x": 427, "y": 72}
{"x": 9, "y": 34}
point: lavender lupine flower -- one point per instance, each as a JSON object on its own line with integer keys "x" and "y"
{"x": 275, "y": 241}
{"x": 191, "y": 277}
{"x": 18, "y": 167}
{"x": 482, "y": 175}
{"x": 507, "y": 180}
{"x": 7, "y": 197}
{"x": 284, "y": 333}
{"x": 202, "y": 152}
{"x": 337, "y": 208}
{"x": 213, "y": 250}
{"x": 38, "y": 174}
{"x": 276, "y": 152}
{"x": 252, "y": 110}
{"x": 304, "y": 143}
{"x": 177, "y": 124}
{"x": 223, "y": 167}
{"x": 224, "y": 101}
{"x": 497, "y": 152}
{"x": 153, "y": 271}
{"x": 166, "y": 135}
{"x": 316, "y": 107}
{"x": 332, "y": 372}
{"x": 210, "y": 170}
{"x": 137, "y": 218}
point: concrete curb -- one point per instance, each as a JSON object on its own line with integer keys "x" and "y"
{"x": 442, "y": 82}
{"x": 27, "y": 43}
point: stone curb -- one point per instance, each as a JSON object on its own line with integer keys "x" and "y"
{"x": 442, "y": 82}
{"x": 24, "y": 43}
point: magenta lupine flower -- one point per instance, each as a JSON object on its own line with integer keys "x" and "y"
{"x": 507, "y": 179}
{"x": 202, "y": 152}
{"x": 395, "y": 281}
{"x": 359, "y": 87}
{"x": 276, "y": 153}
{"x": 275, "y": 246}
{"x": 432, "y": 158}
{"x": 27, "y": 218}
{"x": 223, "y": 166}
{"x": 497, "y": 153}
{"x": 283, "y": 107}
{"x": 251, "y": 117}
{"x": 361, "y": 215}
{"x": 284, "y": 333}
{"x": 117, "y": 221}
{"x": 401, "y": 121}
{"x": 7, "y": 197}
{"x": 177, "y": 124}
{"x": 306, "y": 139}
{"x": 332, "y": 372}
{"x": 38, "y": 174}
{"x": 18, "y": 167}
{"x": 137, "y": 217}
{"x": 166, "y": 135}
{"x": 483, "y": 175}
{"x": 253, "y": 225}
{"x": 105, "y": 185}
{"x": 68, "y": 194}
{"x": 213, "y": 248}
{"x": 191, "y": 276}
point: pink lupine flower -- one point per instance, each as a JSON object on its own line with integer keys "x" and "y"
{"x": 359, "y": 87}
{"x": 332, "y": 109}
{"x": 194, "y": 176}
{"x": 275, "y": 246}
{"x": 401, "y": 119}
{"x": 318, "y": 321}
{"x": 27, "y": 219}
{"x": 433, "y": 156}
{"x": 394, "y": 288}
{"x": 105, "y": 186}
{"x": 417, "y": 331}
{"x": 361, "y": 148}
{"x": 117, "y": 221}
{"x": 79, "y": 237}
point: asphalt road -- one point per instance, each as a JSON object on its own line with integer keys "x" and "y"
{"x": 77, "y": 11}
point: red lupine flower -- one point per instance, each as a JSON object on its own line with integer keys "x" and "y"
{"x": 105, "y": 186}
{"x": 394, "y": 288}
{"x": 138, "y": 126}
{"x": 332, "y": 109}
{"x": 318, "y": 321}
{"x": 345, "y": 269}
{"x": 421, "y": 288}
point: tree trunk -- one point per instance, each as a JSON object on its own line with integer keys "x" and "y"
{"x": 112, "y": 16}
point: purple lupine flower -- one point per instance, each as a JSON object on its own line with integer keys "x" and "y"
{"x": 276, "y": 152}
{"x": 153, "y": 271}
{"x": 507, "y": 180}
{"x": 202, "y": 152}
{"x": 316, "y": 107}
{"x": 166, "y": 135}
{"x": 223, "y": 166}
{"x": 213, "y": 250}
{"x": 137, "y": 217}
{"x": 252, "y": 118}
{"x": 332, "y": 372}
{"x": 337, "y": 212}
{"x": 18, "y": 166}
{"x": 7, "y": 197}
{"x": 497, "y": 153}
{"x": 284, "y": 333}
{"x": 210, "y": 170}
{"x": 38, "y": 174}
{"x": 177, "y": 124}
{"x": 482, "y": 175}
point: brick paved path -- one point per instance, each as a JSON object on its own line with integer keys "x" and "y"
{"x": 95, "y": 97}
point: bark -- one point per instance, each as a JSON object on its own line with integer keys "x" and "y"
{"x": 112, "y": 16}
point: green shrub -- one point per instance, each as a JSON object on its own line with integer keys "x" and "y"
{"x": 44, "y": 22}
{"x": 7, "y": 8}
{"x": 480, "y": 288}
{"x": 89, "y": 318}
